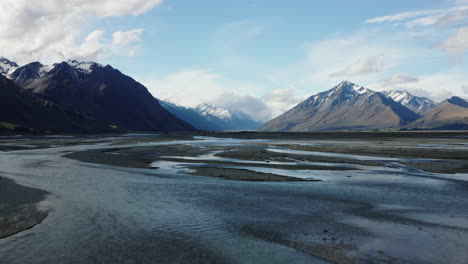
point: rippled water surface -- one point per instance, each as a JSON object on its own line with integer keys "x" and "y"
{"x": 105, "y": 214}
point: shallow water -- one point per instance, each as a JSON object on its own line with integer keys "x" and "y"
{"x": 104, "y": 214}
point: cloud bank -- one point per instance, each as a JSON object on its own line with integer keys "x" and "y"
{"x": 363, "y": 66}
{"x": 52, "y": 30}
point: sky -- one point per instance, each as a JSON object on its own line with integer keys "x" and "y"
{"x": 261, "y": 57}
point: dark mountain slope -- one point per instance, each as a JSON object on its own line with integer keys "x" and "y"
{"x": 105, "y": 94}
{"x": 21, "y": 111}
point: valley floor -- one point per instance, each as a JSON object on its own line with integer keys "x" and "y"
{"x": 396, "y": 197}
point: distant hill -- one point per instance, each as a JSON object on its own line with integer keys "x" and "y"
{"x": 347, "y": 106}
{"x": 98, "y": 91}
{"x": 448, "y": 115}
{"x": 212, "y": 118}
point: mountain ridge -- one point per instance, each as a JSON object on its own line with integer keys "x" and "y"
{"x": 450, "y": 114}
{"x": 347, "y": 106}
{"x": 99, "y": 91}
{"x": 417, "y": 104}
{"x": 212, "y": 118}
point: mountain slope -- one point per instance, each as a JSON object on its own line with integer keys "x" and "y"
{"x": 101, "y": 92}
{"x": 414, "y": 103}
{"x": 345, "y": 107}
{"x": 450, "y": 114}
{"x": 21, "y": 111}
{"x": 212, "y": 118}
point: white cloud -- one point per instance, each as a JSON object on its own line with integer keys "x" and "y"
{"x": 187, "y": 87}
{"x": 438, "y": 17}
{"x": 52, "y": 30}
{"x": 120, "y": 38}
{"x": 233, "y": 41}
{"x": 231, "y": 35}
{"x": 402, "y": 16}
{"x": 251, "y": 105}
{"x": 314, "y": 72}
{"x": 106, "y": 8}
{"x": 281, "y": 100}
{"x": 465, "y": 89}
{"x": 398, "y": 79}
{"x": 90, "y": 48}
{"x": 363, "y": 66}
{"x": 456, "y": 44}
{"x": 194, "y": 86}
{"x": 438, "y": 86}
{"x": 327, "y": 56}
{"x": 134, "y": 51}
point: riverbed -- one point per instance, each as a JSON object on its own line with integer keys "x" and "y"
{"x": 241, "y": 198}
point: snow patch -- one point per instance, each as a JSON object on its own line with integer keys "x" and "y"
{"x": 219, "y": 112}
{"x": 83, "y": 66}
{"x": 7, "y": 67}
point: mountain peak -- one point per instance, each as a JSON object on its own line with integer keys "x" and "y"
{"x": 351, "y": 87}
{"x": 458, "y": 101}
{"x": 414, "y": 103}
{"x": 219, "y": 112}
{"x": 29, "y": 72}
{"x": 344, "y": 91}
{"x": 7, "y": 66}
{"x": 347, "y": 106}
{"x": 84, "y": 66}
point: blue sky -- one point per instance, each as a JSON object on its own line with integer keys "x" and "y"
{"x": 257, "y": 56}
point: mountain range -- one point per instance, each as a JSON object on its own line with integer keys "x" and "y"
{"x": 97, "y": 92}
{"x": 212, "y": 118}
{"x": 349, "y": 106}
{"x": 414, "y": 103}
{"x": 87, "y": 97}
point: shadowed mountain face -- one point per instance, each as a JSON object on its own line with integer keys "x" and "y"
{"x": 20, "y": 111}
{"x": 212, "y": 118}
{"x": 29, "y": 72}
{"x": 102, "y": 92}
{"x": 345, "y": 107}
{"x": 450, "y": 114}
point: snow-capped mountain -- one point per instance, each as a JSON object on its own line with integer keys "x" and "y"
{"x": 99, "y": 92}
{"x": 214, "y": 111}
{"x": 29, "y": 72}
{"x": 191, "y": 116}
{"x": 415, "y": 103}
{"x": 7, "y": 66}
{"x": 35, "y": 70}
{"x": 347, "y": 106}
{"x": 84, "y": 66}
{"x": 212, "y": 118}
{"x": 344, "y": 92}
{"x": 226, "y": 118}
